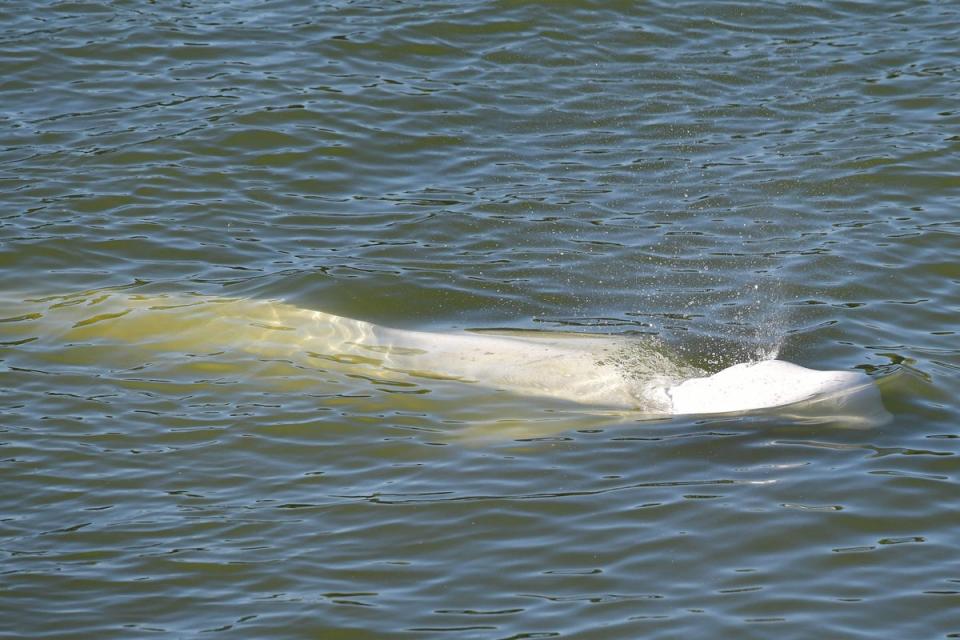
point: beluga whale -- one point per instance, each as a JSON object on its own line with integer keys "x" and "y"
{"x": 620, "y": 372}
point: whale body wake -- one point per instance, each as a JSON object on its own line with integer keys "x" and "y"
{"x": 619, "y": 372}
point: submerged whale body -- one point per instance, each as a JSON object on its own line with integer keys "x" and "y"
{"x": 618, "y": 372}
{"x": 629, "y": 373}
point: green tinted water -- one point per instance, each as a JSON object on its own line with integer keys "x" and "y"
{"x": 734, "y": 178}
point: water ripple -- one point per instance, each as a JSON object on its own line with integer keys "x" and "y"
{"x": 732, "y": 177}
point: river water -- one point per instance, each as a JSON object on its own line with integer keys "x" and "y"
{"x": 739, "y": 180}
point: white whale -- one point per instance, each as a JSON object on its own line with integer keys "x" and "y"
{"x": 618, "y": 372}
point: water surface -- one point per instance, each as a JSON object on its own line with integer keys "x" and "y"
{"x": 736, "y": 179}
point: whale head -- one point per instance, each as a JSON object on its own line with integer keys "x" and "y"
{"x": 775, "y": 383}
